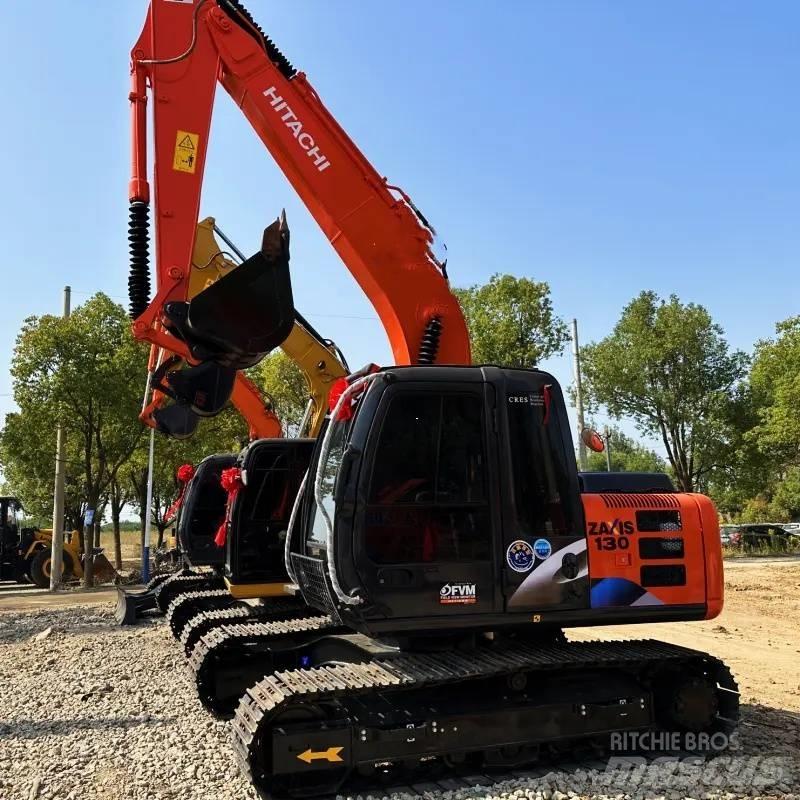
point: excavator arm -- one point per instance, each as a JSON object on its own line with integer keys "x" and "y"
{"x": 184, "y": 50}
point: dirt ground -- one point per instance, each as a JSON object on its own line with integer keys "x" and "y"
{"x": 757, "y": 635}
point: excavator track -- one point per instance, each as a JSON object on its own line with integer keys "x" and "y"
{"x": 241, "y": 613}
{"x": 345, "y": 727}
{"x": 175, "y": 585}
{"x": 230, "y": 658}
{"x": 188, "y": 604}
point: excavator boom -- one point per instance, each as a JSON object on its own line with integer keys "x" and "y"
{"x": 184, "y": 49}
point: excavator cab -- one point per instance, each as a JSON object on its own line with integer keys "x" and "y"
{"x": 272, "y": 470}
{"x": 449, "y": 499}
{"x": 203, "y": 510}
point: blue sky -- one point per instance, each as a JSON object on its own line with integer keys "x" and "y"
{"x": 603, "y": 147}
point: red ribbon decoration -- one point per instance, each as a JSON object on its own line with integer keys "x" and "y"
{"x": 341, "y": 385}
{"x": 231, "y": 482}
{"x": 546, "y": 398}
{"x": 338, "y": 388}
{"x": 184, "y": 474}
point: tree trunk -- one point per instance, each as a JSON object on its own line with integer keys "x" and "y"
{"x": 115, "y": 515}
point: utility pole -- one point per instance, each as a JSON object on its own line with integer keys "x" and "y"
{"x": 57, "y": 547}
{"x": 607, "y": 437}
{"x": 576, "y": 369}
{"x": 146, "y": 548}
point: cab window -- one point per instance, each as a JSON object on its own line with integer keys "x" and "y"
{"x": 427, "y": 497}
{"x": 541, "y": 477}
{"x": 329, "y": 470}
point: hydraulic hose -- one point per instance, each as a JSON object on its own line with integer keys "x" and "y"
{"x": 139, "y": 246}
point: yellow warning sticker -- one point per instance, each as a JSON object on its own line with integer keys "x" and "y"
{"x": 185, "y": 158}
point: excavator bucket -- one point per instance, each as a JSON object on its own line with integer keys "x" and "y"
{"x": 244, "y": 315}
{"x": 178, "y": 421}
{"x": 205, "y": 388}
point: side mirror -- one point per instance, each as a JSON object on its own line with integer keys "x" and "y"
{"x": 593, "y": 440}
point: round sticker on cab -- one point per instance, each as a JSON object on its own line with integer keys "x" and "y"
{"x": 520, "y": 556}
{"x": 542, "y": 548}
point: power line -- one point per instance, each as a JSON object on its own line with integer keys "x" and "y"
{"x": 373, "y": 318}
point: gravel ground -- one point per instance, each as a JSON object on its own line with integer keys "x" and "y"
{"x": 91, "y": 710}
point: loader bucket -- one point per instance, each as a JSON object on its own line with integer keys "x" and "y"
{"x": 102, "y": 569}
{"x": 247, "y": 313}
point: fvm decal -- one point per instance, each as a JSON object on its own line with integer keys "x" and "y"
{"x": 458, "y": 594}
{"x": 519, "y": 556}
{"x": 605, "y": 528}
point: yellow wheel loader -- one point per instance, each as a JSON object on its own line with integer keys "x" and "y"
{"x": 25, "y": 553}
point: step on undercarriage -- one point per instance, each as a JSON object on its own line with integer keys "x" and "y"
{"x": 340, "y": 726}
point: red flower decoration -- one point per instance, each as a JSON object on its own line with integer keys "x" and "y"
{"x": 231, "y": 482}
{"x": 185, "y": 473}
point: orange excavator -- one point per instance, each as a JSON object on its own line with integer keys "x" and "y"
{"x": 442, "y": 537}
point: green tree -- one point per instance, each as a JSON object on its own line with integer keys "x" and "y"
{"x": 775, "y": 383}
{"x": 627, "y": 455}
{"x": 27, "y": 452}
{"x": 785, "y": 505}
{"x": 85, "y": 371}
{"x": 511, "y": 321}
{"x": 284, "y": 383}
{"x": 762, "y": 478}
{"x": 667, "y": 366}
{"x": 743, "y": 470}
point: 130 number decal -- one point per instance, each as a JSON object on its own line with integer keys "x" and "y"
{"x": 612, "y": 542}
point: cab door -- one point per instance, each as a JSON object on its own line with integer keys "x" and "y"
{"x": 425, "y": 535}
{"x": 544, "y": 559}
